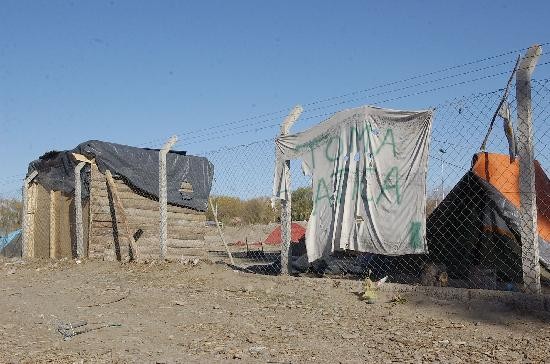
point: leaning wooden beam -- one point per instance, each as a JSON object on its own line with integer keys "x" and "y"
{"x": 502, "y": 101}
{"x": 28, "y": 220}
{"x": 122, "y": 212}
{"x": 528, "y": 196}
{"x": 215, "y": 213}
{"x": 78, "y": 210}
{"x": 163, "y": 195}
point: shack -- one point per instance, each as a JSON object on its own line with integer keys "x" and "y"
{"x": 119, "y": 189}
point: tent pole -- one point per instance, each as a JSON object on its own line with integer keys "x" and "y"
{"x": 286, "y": 208}
{"x": 528, "y": 206}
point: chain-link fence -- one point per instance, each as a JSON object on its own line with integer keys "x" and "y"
{"x": 475, "y": 220}
{"x": 473, "y": 210}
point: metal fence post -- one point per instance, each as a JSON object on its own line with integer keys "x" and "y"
{"x": 286, "y": 204}
{"x": 163, "y": 195}
{"x": 78, "y": 210}
{"x": 27, "y": 249}
{"x": 528, "y": 207}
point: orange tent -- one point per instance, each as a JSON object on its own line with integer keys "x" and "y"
{"x": 504, "y": 176}
{"x": 298, "y": 232}
{"x": 477, "y": 224}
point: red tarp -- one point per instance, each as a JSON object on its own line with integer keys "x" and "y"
{"x": 298, "y": 232}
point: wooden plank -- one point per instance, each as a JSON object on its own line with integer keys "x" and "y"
{"x": 78, "y": 208}
{"x": 125, "y": 192}
{"x": 146, "y": 224}
{"x": 91, "y": 248}
{"x": 86, "y": 220}
{"x": 180, "y": 231}
{"x": 122, "y": 214}
{"x": 144, "y": 204}
{"x": 215, "y": 212}
{"x": 29, "y": 201}
{"x": 131, "y": 201}
{"x": 53, "y": 223}
{"x": 150, "y": 214}
{"x": 65, "y": 226}
{"x": 41, "y": 239}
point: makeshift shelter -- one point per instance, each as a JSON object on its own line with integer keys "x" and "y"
{"x": 116, "y": 210}
{"x": 297, "y": 239}
{"x": 10, "y": 245}
{"x": 475, "y": 229}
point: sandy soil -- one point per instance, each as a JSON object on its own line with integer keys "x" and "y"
{"x": 175, "y": 313}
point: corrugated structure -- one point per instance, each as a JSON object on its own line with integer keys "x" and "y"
{"x": 117, "y": 214}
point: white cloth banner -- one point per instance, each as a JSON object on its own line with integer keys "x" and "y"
{"x": 368, "y": 166}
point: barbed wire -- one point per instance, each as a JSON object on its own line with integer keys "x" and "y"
{"x": 379, "y": 102}
{"x": 255, "y": 124}
{"x": 315, "y": 102}
{"x": 223, "y": 133}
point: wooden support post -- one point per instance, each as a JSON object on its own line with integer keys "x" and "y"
{"x": 78, "y": 210}
{"x": 528, "y": 206}
{"x": 286, "y": 203}
{"x": 53, "y": 224}
{"x": 215, "y": 213}
{"x": 28, "y": 218}
{"x": 122, "y": 212}
{"x": 163, "y": 195}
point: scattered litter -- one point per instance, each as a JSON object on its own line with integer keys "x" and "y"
{"x": 382, "y": 281}
{"x": 398, "y": 299}
{"x": 369, "y": 291}
{"x": 350, "y": 336}
{"x": 255, "y": 350}
{"x": 70, "y": 330}
{"x": 109, "y": 302}
{"x": 188, "y": 261}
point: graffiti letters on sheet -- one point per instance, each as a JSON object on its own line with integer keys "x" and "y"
{"x": 368, "y": 166}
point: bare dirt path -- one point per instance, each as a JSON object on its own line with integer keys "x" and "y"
{"x": 174, "y": 313}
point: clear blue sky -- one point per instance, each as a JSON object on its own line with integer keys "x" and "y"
{"x": 138, "y": 71}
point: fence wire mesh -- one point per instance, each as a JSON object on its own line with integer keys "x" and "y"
{"x": 473, "y": 224}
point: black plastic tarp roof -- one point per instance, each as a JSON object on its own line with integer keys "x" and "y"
{"x": 138, "y": 167}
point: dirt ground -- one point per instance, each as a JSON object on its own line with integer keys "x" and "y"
{"x": 176, "y": 313}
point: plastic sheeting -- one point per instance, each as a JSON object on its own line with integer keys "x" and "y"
{"x": 10, "y": 245}
{"x": 368, "y": 167}
{"x": 138, "y": 167}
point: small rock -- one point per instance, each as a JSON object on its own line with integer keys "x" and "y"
{"x": 255, "y": 350}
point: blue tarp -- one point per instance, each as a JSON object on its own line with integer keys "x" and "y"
{"x": 6, "y": 240}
